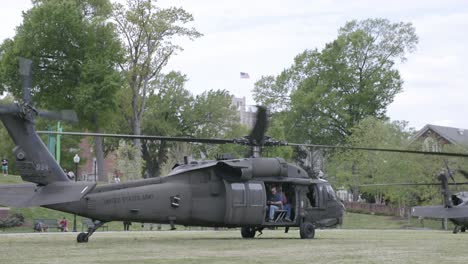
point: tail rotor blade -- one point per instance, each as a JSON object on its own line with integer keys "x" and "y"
{"x": 26, "y": 75}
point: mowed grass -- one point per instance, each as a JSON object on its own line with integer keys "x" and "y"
{"x": 329, "y": 246}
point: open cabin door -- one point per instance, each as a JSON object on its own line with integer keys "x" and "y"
{"x": 245, "y": 203}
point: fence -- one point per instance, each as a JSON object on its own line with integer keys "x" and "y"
{"x": 379, "y": 209}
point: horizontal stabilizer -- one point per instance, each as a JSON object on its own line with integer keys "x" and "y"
{"x": 440, "y": 211}
{"x": 29, "y": 194}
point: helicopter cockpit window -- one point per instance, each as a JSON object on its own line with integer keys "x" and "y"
{"x": 331, "y": 192}
{"x": 312, "y": 195}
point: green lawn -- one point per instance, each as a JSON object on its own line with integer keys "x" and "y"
{"x": 329, "y": 246}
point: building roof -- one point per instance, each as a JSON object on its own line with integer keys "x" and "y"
{"x": 457, "y": 136}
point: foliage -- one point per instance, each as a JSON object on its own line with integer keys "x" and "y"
{"x": 147, "y": 32}
{"x": 7, "y": 143}
{"x": 13, "y": 220}
{"x": 129, "y": 163}
{"x": 352, "y": 168}
{"x": 75, "y": 50}
{"x": 331, "y": 90}
{"x": 165, "y": 116}
{"x": 211, "y": 115}
{"x": 174, "y": 111}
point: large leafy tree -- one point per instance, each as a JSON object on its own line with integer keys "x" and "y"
{"x": 147, "y": 32}
{"x": 174, "y": 111}
{"x": 353, "y": 77}
{"x": 75, "y": 51}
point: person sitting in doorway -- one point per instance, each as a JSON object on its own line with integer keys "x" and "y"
{"x": 286, "y": 206}
{"x": 274, "y": 202}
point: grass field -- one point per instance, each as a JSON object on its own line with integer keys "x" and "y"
{"x": 329, "y": 246}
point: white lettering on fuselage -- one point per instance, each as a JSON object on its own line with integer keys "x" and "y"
{"x": 129, "y": 198}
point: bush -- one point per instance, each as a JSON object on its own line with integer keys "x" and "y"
{"x": 12, "y": 221}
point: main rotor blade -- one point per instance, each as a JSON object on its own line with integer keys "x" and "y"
{"x": 65, "y": 115}
{"x": 454, "y": 154}
{"x": 9, "y": 109}
{"x": 464, "y": 173}
{"x": 257, "y": 136}
{"x": 410, "y": 184}
{"x": 178, "y": 139}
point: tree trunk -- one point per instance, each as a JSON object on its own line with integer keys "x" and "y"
{"x": 99, "y": 152}
{"x": 136, "y": 127}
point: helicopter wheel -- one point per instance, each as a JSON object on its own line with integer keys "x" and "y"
{"x": 463, "y": 229}
{"x": 307, "y": 230}
{"x": 82, "y": 238}
{"x": 248, "y": 232}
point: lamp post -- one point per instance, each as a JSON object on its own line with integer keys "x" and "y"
{"x": 76, "y": 160}
{"x": 95, "y": 169}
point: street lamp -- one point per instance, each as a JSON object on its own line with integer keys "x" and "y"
{"x": 95, "y": 169}
{"x": 76, "y": 160}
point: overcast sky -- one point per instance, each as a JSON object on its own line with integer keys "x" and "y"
{"x": 261, "y": 37}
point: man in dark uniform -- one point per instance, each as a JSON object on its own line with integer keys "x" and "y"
{"x": 275, "y": 203}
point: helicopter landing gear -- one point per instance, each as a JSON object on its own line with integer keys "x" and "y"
{"x": 83, "y": 237}
{"x": 463, "y": 229}
{"x": 248, "y": 232}
{"x": 307, "y": 230}
{"x": 456, "y": 229}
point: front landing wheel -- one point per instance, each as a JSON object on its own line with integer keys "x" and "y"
{"x": 82, "y": 238}
{"x": 248, "y": 232}
{"x": 307, "y": 230}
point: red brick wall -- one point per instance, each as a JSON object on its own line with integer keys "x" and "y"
{"x": 87, "y": 168}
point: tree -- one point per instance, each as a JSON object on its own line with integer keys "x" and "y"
{"x": 173, "y": 111}
{"x": 165, "y": 116}
{"x": 352, "y": 78}
{"x": 147, "y": 32}
{"x": 351, "y": 168}
{"x": 212, "y": 116}
{"x": 75, "y": 51}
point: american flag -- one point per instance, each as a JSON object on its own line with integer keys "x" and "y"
{"x": 244, "y": 75}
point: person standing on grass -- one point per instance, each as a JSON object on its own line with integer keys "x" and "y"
{"x": 5, "y": 167}
{"x": 64, "y": 224}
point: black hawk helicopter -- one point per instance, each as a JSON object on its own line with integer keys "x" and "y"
{"x": 455, "y": 205}
{"x": 220, "y": 193}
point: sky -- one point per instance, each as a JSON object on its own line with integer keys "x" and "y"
{"x": 262, "y": 37}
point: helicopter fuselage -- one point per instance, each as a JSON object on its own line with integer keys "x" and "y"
{"x": 210, "y": 194}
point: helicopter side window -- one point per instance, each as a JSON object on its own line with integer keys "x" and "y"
{"x": 331, "y": 192}
{"x": 238, "y": 194}
{"x": 312, "y": 196}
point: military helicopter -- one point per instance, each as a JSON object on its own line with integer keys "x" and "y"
{"x": 455, "y": 205}
{"x": 219, "y": 193}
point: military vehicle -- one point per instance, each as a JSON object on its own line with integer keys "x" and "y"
{"x": 455, "y": 205}
{"x": 218, "y": 193}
